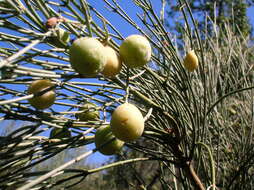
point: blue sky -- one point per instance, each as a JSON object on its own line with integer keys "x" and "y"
{"x": 250, "y": 14}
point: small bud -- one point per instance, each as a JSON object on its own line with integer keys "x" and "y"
{"x": 60, "y": 38}
{"x": 52, "y": 22}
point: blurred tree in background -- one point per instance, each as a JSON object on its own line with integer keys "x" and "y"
{"x": 215, "y": 12}
{"x": 198, "y": 125}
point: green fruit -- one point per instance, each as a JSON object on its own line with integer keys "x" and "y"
{"x": 127, "y": 122}
{"x": 191, "y": 61}
{"x": 113, "y": 65}
{"x": 103, "y": 135}
{"x": 57, "y": 133}
{"x": 87, "y": 56}
{"x": 45, "y": 100}
{"x": 89, "y": 113}
{"x": 135, "y": 51}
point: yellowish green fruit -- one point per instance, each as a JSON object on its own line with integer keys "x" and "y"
{"x": 127, "y": 122}
{"x": 135, "y": 51}
{"x": 191, "y": 61}
{"x": 89, "y": 112}
{"x": 58, "y": 133}
{"x": 104, "y": 135}
{"x": 113, "y": 65}
{"x": 45, "y": 100}
{"x": 87, "y": 56}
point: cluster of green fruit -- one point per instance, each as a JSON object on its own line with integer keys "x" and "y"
{"x": 89, "y": 57}
{"x": 126, "y": 125}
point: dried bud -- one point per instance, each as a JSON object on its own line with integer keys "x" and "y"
{"x": 52, "y": 22}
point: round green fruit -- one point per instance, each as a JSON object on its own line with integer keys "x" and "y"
{"x": 113, "y": 64}
{"x": 87, "y": 56}
{"x": 104, "y": 135}
{"x": 88, "y": 112}
{"x": 135, "y": 51}
{"x": 127, "y": 122}
{"x": 57, "y": 133}
{"x": 45, "y": 100}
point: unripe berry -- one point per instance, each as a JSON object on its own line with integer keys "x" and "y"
{"x": 87, "y": 56}
{"x": 88, "y": 113}
{"x": 57, "y": 133}
{"x": 135, "y": 51}
{"x": 45, "y": 100}
{"x": 113, "y": 64}
{"x": 191, "y": 61}
{"x": 127, "y": 122}
{"x": 103, "y": 135}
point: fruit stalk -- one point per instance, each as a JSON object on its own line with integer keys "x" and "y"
{"x": 192, "y": 175}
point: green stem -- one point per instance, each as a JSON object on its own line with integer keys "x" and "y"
{"x": 117, "y": 164}
{"x": 211, "y": 162}
{"x": 226, "y": 95}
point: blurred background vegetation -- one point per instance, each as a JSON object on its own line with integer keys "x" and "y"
{"x": 201, "y": 121}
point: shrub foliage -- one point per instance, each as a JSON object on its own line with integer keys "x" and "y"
{"x": 198, "y": 125}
